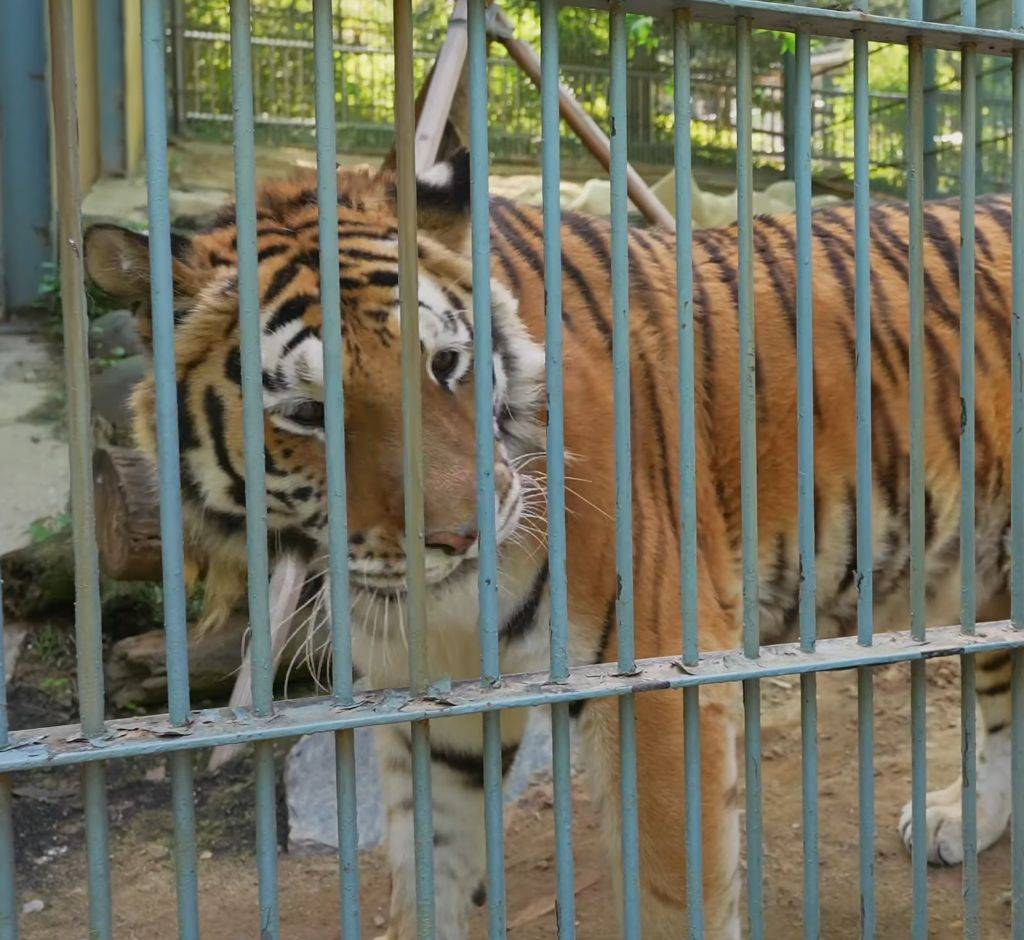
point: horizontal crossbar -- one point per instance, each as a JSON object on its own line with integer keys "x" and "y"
{"x": 152, "y": 736}
{"x": 841, "y": 24}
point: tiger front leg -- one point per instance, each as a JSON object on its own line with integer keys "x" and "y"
{"x": 944, "y": 813}
{"x": 456, "y": 779}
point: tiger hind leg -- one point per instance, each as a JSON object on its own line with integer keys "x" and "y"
{"x": 944, "y": 813}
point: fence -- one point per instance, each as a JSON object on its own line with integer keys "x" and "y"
{"x": 181, "y": 732}
{"x": 364, "y": 79}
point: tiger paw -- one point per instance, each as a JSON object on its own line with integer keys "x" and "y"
{"x": 944, "y": 820}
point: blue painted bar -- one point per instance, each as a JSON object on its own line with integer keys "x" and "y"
{"x": 423, "y": 830}
{"x": 624, "y": 609}
{"x": 110, "y": 66}
{"x": 348, "y": 832}
{"x": 164, "y": 372}
{"x": 483, "y": 351}
{"x": 8, "y": 875}
{"x": 183, "y": 811}
{"x": 748, "y": 477}
{"x": 915, "y": 193}
{"x": 553, "y": 366}
{"x": 865, "y": 553}
{"x": 97, "y": 852}
{"x": 483, "y": 355}
{"x": 805, "y": 474}
{"x": 64, "y": 745}
{"x": 687, "y": 467}
{"x": 26, "y": 199}
{"x": 334, "y": 427}
{"x": 561, "y": 759}
{"x": 252, "y": 370}
{"x": 968, "y": 607}
{"x": 255, "y": 471}
{"x": 1017, "y": 481}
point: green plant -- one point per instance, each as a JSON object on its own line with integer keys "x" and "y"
{"x": 46, "y": 528}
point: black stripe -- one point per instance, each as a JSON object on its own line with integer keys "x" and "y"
{"x": 283, "y": 276}
{"x": 524, "y": 618}
{"x": 301, "y": 336}
{"x": 292, "y": 309}
{"x": 471, "y": 766}
{"x": 271, "y": 251}
{"x": 214, "y": 410}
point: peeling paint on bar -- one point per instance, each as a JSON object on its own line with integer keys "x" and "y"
{"x": 139, "y": 737}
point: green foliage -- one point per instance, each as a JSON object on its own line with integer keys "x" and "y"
{"x": 44, "y": 529}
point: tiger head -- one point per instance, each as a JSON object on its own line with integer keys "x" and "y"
{"x": 209, "y": 392}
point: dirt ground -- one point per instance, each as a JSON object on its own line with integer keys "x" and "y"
{"x": 48, "y": 819}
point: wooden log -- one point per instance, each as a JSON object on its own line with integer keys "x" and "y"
{"x": 127, "y": 514}
{"x": 137, "y": 666}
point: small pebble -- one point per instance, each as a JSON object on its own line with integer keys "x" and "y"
{"x": 379, "y": 920}
{"x": 32, "y": 907}
{"x": 206, "y": 856}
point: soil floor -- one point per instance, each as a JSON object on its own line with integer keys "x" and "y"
{"x": 48, "y": 817}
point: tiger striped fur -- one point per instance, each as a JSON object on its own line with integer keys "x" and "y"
{"x": 209, "y": 397}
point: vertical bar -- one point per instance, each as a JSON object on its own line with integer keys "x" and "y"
{"x": 412, "y": 459}
{"x": 553, "y": 371}
{"x": 748, "y": 477}
{"x": 805, "y": 489}
{"x": 110, "y": 63}
{"x": 687, "y": 467}
{"x": 171, "y": 536}
{"x": 968, "y": 696}
{"x": 919, "y": 769}
{"x": 334, "y": 427}
{"x": 483, "y": 354}
{"x": 26, "y": 197}
{"x": 623, "y": 473}
{"x": 931, "y": 111}
{"x": 255, "y": 471}
{"x": 1017, "y": 480}
{"x": 88, "y": 635}
{"x": 8, "y": 891}
{"x": 865, "y": 559}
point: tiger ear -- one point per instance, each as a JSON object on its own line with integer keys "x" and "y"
{"x": 442, "y": 201}
{"x": 117, "y": 261}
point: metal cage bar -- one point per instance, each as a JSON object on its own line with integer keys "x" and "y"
{"x": 255, "y": 469}
{"x": 334, "y": 433}
{"x": 171, "y": 528}
{"x": 8, "y": 875}
{"x": 483, "y": 355}
{"x": 805, "y": 474}
{"x": 748, "y": 477}
{"x": 1017, "y": 479}
{"x": 621, "y": 368}
{"x": 687, "y": 468}
{"x": 865, "y": 553}
{"x": 918, "y": 688}
{"x": 968, "y": 609}
{"x": 88, "y": 630}
{"x": 555, "y": 461}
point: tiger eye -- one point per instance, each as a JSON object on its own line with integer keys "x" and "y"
{"x": 443, "y": 364}
{"x": 310, "y": 414}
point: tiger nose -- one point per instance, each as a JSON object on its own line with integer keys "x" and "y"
{"x": 451, "y": 541}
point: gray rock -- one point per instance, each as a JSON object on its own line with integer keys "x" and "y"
{"x": 310, "y": 790}
{"x": 112, "y": 389}
{"x": 114, "y": 336}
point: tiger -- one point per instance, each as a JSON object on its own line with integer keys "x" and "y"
{"x": 209, "y": 399}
